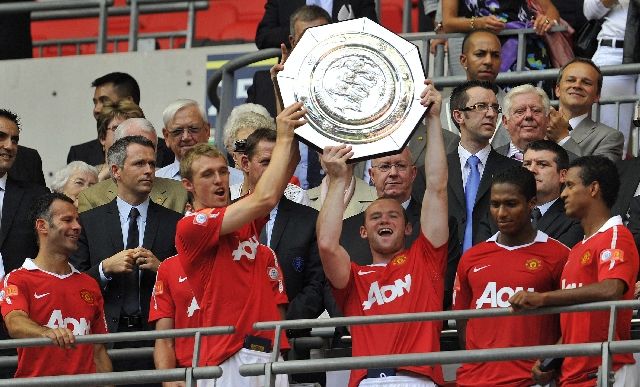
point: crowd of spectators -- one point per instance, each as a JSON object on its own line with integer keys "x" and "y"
{"x": 498, "y": 199}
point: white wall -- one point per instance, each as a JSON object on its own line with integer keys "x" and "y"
{"x": 53, "y": 97}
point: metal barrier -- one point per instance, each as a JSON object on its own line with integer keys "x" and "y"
{"x": 72, "y": 9}
{"x": 273, "y": 368}
{"x": 604, "y": 349}
{"x": 190, "y": 374}
{"x": 56, "y": 5}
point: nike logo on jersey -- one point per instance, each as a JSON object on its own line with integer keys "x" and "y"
{"x": 477, "y": 269}
{"x": 182, "y": 279}
{"x": 360, "y": 272}
{"x": 38, "y": 296}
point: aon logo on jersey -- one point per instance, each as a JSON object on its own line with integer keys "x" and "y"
{"x": 497, "y": 297}
{"x": 572, "y": 285}
{"x": 387, "y": 293}
{"x": 79, "y": 328}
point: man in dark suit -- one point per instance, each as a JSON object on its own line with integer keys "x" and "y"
{"x": 274, "y": 26}
{"x": 474, "y": 109}
{"x": 122, "y": 242}
{"x": 393, "y": 177}
{"x": 17, "y": 236}
{"x": 113, "y": 87}
{"x": 629, "y": 186}
{"x": 548, "y": 162}
{"x": 578, "y": 88}
{"x": 261, "y": 91}
{"x": 27, "y": 166}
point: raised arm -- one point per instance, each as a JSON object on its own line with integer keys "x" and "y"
{"x": 335, "y": 259}
{"x": 434, "y": 216}
{"x": 271, "y": 185}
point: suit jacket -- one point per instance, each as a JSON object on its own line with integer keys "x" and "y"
{"x": 629, "y": 180}
{"x": 27, "y": 166}
{"x": 573, "y": 150}
{"x": 363, "y": 195}
{"x": 597, "y": 139}
{"x": 101, "y": 237}
{"x": 455, "y": 190}
{"x": 293, "y": 238}
{"x": 91, "y": 152}
{"x": 274, "y": 26}
{"x": 261, "y": 91}
{"x": 360, "y": 252}
{"x": 634, "y": 220}
{"x": 554, "y": 223}
{"x": 418, "y": 143}
{"x": 165, "y": 192}
{"x": 17, "y": 237}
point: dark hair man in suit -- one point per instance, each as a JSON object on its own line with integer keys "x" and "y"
{"x": 123, "y": 241}
{"x": 17, "y": 238}
{"x": 111, "y": 88}
{"x": 548, "y": 162}
{"x": 474, "y": 110}
{"x": 578, "y": 88}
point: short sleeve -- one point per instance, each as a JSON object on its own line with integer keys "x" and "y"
{"x": 274, "y": 276}
{"x": 14, "y": 294}
{"x": 162, "y": 305}
{"x": 198, "y": 232}
{"x": 620, "y": 261}
{"x": 342, "y": 295}
{"x": 434, "y": 258}
{"x": 461, "y": 290}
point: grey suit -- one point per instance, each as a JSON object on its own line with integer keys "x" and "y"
{"x": 554, "y": 223}
{"x": 597, "y": 139}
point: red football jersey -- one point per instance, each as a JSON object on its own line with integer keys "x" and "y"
{"x": 609, "y": 254}
{"x": 488, "y": 275}
{"x": 235, "y": 279}
{"x": 413, "y": 281}
{"x": 70, "y": 301}
{"x": 173, "y": 298}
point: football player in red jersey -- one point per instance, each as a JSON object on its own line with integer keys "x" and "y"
{"x": 602, "y": 267}
{"x": 235, "y": 280}
{"x": 517, "y": 257}
{"x": 399, "y": 280}
{"x": 47, "y": 297}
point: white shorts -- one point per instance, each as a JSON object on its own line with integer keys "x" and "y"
{"x": 398, "y": 381}
{"x": 627, "y": 376}
{"x": 231, "y": 371}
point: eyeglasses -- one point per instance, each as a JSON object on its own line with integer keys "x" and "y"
{"x": 386, "y": 167}
{"x": 482, "y": 107}
{"x": 179, "y": 132}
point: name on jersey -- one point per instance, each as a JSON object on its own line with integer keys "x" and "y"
{"x": 497, "y": 298}
{"x": 247, "y": 249}
{"x": 387, "y": 293}
{"x": 79, "y": 327}
{"x": 572, "y": 285}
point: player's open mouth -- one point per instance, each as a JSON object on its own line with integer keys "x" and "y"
{"x": 220, "y": 192}
{"x": 385, "y": 231}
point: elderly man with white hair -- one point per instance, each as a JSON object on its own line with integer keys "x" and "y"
{"x": 525, "y": 114}
{"x": 185, "y": 125}
{"x": 168, "y": 193}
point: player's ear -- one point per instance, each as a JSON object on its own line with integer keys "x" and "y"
{"x": 363, "y": 232}
{"x": 42, "y": 226}
{"x": 408, "y": 229}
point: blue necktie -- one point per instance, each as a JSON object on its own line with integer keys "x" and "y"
{"x": 470, "y": 192}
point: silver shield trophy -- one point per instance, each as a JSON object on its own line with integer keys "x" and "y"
{"x": 361, "y": 85}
